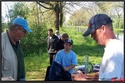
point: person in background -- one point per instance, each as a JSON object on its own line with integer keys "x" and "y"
{"x": 51, "y": 44}
{"x": 12, "y": 55}
{"x": 58, "y": 34}
{"x": 112, "y": 66}
{"x": 61, "y": 41}
{"x": 66, "y": 57}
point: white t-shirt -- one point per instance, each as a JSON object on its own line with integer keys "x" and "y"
{"x": 113, "y": 61}
{"x": 59, "y": 35}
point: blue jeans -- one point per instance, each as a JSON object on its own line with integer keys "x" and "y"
{"x": 22, "y": 79}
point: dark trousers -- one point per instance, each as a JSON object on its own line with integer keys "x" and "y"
{"x": 51, "y": 57}
{"x": 47, "y": 74}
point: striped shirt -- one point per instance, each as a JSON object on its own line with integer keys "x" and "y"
{"x": 113, "y": 61}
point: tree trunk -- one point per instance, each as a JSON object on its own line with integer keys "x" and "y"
{"x": 118, "y": 20}
{"x": 56, "y": 16}
{"x": 61, "y": 19}
{"x": 37, "y": 7}
{"x": 61, "y": 15}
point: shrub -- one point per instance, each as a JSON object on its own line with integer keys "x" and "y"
{"x": 34, "y": 42}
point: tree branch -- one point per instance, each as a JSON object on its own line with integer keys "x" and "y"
{"x": 39, "y": 2}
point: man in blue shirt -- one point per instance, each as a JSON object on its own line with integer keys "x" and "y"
{"x": 66, "y": 57}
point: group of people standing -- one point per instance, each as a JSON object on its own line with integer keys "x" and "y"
{"x": 59, "y": 50}
{"x": 55, "y": 43}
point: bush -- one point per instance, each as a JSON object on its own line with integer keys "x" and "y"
{"x": 89, "y": 41}
{"x": 34, "y": 42}
{"x": 122, "y": 26}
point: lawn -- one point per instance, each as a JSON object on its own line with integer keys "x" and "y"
{"x": 36, "y": 65}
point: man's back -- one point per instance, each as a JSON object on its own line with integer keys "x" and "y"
{"x": 59, "y": 45}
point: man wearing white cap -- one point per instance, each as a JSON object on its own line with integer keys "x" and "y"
{"x": 12, "y": 54}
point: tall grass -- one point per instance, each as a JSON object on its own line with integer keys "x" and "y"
{"x": 36, "y": 64}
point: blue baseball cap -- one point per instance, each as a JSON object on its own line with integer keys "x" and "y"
{"x": 22, "y": 22}
{"x": 69, "y": 41}
{"x": 96, "y": 22}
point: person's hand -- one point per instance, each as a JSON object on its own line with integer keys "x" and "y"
{"x": 78, "y": 77}
{"x": 82, "y": 77}
{"x": 92, "y": 76}
{"x": 66, "y": 69}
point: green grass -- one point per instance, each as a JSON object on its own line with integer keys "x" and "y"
{"x": 36, "y": 65}
{"x": 118, "y": 30}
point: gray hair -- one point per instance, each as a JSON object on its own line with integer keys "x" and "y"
{"x": 12, "y": 27}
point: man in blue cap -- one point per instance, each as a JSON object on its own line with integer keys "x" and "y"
{"x": 12, "y": 54}
{"x": 101, "y": 30}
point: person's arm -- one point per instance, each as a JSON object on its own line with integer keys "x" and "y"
{"x": 78, "y": 77}
{"x": 69, "y": 67}
{"x": 58, "y": 58}
{"x": 82, "y": 77}
{"x": 54, "y": 42}
{"x": 94, "y": 75}
{"x": 57, "y": 45}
